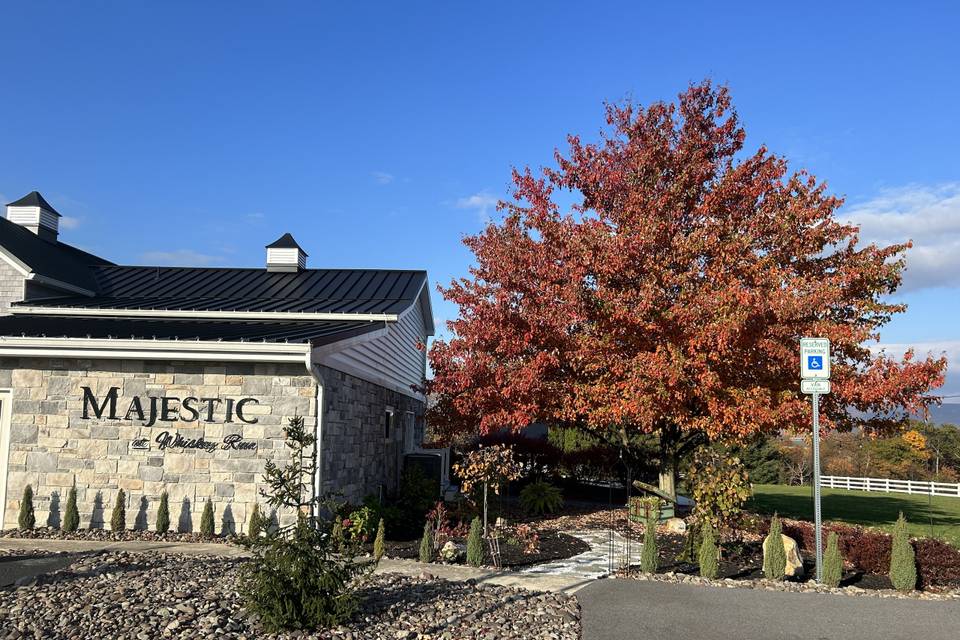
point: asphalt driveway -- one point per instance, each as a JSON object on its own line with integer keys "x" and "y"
{"x": 627, "y": 609}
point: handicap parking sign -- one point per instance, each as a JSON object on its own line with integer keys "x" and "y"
{"x": 815, "y": 363}
{"x": 814, "y": 359}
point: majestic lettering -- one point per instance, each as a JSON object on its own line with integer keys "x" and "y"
{"x": 154, "y": 409}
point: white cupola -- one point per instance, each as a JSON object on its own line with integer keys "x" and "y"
{"x": 285, "y": 254}
{"x": 36, "y": 214}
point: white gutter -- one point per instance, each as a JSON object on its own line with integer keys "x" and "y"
{"x": 124, "y": 348}
{"x": 165, "y": 314}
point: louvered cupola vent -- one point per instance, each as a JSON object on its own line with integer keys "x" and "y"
{"x": 285, "y": 255}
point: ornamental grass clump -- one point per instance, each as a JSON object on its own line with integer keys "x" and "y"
{"x": 426, "y": 544}
{"x": 774, "y": 553}
{"x": 832, "y": 562}
{"x": 71, "y": 517}
{"x": 163, "y": 513}
{"x": 378, "y": 542}
{"x": 903, "y": 562}
{"x": 708, "y": 554}
{"x": 118, "y": 519}
{"x": 649, "y": 555}
{"x": 296, "y": 579}
{"x": 26, "y": 519}
{"x": 207, "y": 525}
{"x": 475, "y": 552}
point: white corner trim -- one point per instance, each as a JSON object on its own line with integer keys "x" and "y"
{"x": 14, "y": 262}
{"x": 214, "y": 315}
{"x": 58, "y": 284}
{"x": 120, "y": 349}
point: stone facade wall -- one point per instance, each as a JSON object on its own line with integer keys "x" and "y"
{"x": 358, "y": 460}
{"x": 52, "y": 445}
{"x": 11, "y": 286}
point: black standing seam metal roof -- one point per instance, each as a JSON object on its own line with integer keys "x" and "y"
{"x": 52, "y": 259}
{"x": 315, "y": 333}
{"x": 366, "y": 291}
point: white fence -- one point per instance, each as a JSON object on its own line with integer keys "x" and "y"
{"x": 887, "y": 485}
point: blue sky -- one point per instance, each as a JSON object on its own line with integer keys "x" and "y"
{"x": 381, "y": 133}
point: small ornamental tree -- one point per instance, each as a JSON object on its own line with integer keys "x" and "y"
{"x": 618, "y": 285}
{"x": 649, "y": 554}
{"x": 296, "y": 579}
{"x": 486, "y": 467}
{"x": 118, "y": 519}
{"x": 903, "y": 562}
{"x": 163, "y": 513}
{"x": 426, "y": 544}
{"x": 71, "y": 517}
{"x": 774, "y": 553}
{"x": 832, "y": 562}
{"x": 720, "y": 487}
{"x": 207, "y": 524}
{"x": 255, "y": 526}
{"x": 378, "y": 541}
{"x": 475, "y": 547}
{"x": 26, "y": 519}
{"x": 708, "y": 554}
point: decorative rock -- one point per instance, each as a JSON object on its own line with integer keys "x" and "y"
{"x": 794, "y": 559}
{"x": 675, "y": 525}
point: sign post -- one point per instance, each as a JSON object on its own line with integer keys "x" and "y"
{"x": 815, "y": 380}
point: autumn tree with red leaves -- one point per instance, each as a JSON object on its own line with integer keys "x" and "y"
{"x": 671, "y": 299}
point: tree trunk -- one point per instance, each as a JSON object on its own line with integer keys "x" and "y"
{"x": 668, "y": 461}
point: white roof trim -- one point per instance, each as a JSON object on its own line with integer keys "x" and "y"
{"x": 29, "y": 310}
{"x": 14, "y": 262}
{"x": 58, "y": 284}
{"x": 121, "y": 348}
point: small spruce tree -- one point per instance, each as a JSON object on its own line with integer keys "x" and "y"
{"x": 71, "y": 517}
{"x": 118, "y": 520}
{"x": 903, "y": 564}
{"x": 649, "y": 555}
{"x": 163, "y": 513}
{"x": 708, "y": 553}
{"x": 832, "y": 562}
{"x": 475, "y": 550}
{"x": 206, "y": 521}
{"x": 378, "y": 542}
{"x": 774, "y": 553}
{"x": 255, "y": 526}
{"x": 26, "y": 519}
{"x": 426, "y": 544}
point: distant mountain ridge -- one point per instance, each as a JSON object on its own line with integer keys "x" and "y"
{"x": 948, "y": 413}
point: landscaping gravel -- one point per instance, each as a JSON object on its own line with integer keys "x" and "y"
{"x": 144, "y": 596}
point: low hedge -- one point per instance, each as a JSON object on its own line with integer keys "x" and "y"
{"x": 938, "y": 563}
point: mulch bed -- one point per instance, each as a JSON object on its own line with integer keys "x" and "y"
{"x": 553, "y": 546}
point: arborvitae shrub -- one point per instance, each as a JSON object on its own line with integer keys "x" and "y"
{"x": 649, "y": 556}
{"x": 832, "y": 562}
{"x": 71, "y": 517}
{"x": 426, "y": 544}
{"x": 206, "y": 521}
{"x": 163, "y": 513}
{"x": 774, "y": 554}
{"x": 903, "y": 563}
{"x": 26, "y": 519}
{"x": 708, "y": 554}
{"x": 475, "y": 554}
{"x": 118, "y": 520}
{"x": 255, "y": 526}
{"x": 378, "y": 542}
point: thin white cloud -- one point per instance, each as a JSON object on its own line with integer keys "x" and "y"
{"x": 179, "y": 258}
{"x": 69, "y": 222}
{"x": 481, "y": 202}
{"x": 927, "y": 215}
{"x": 382, "y": 177}
{"x": 256, "y": 216}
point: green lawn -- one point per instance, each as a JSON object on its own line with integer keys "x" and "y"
{"x": 937, "y": 517}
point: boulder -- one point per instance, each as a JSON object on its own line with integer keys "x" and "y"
{"x": 794, "y": 566}
{"x": 675, "y": 525}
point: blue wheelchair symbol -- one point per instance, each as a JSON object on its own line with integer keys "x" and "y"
{"x": 815, "y": 363}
